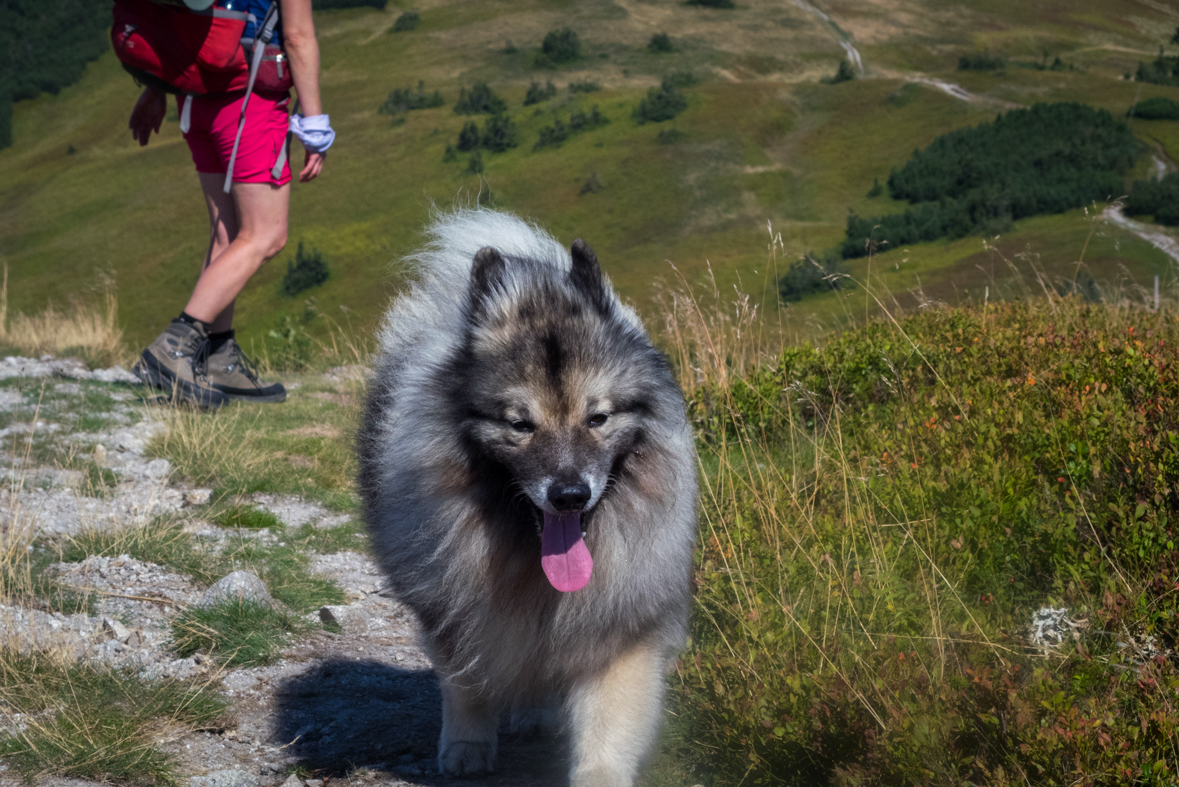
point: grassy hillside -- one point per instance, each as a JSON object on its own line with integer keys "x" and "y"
{"x": 762, "y": 141}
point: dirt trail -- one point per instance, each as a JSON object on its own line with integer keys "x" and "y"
{"x": 358, "y": 707}
{"x": 853, "y": 54}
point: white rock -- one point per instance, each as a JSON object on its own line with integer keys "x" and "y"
{"x": 198, "y": 497}
{"x": 157, "y": 469}
{"x": 240, "y": 586}
{"x": 226, "y": 778}
{"x": 293, "y": 781}
{"x": 115, "y": 629}
{"x": 100, "y": 457}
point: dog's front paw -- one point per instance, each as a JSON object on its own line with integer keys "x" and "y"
{"x": 466, "y": 758}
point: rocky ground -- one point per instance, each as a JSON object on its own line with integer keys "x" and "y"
{"x": 356, "y": 707}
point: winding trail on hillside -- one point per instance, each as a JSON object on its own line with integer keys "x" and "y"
{"x": 961, "y": 93}
{"x": 1148, "y": 232}
{"x": 844, "y": 39}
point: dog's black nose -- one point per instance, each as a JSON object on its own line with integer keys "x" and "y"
{"x": 569, "y": 497}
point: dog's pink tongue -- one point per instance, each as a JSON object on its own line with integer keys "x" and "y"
{"x": 563, "y": 554}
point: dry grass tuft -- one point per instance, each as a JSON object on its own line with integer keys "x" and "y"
{"x": 88, "y": 330}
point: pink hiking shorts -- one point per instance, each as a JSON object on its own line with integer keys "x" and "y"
{"x": 213, "y": 123}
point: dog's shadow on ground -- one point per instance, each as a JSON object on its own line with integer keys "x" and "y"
{"x": 346, "y": 715}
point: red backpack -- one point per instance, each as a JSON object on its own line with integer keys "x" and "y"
{"x": 178, "y": 50}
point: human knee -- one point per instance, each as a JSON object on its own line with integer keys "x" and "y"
{"x": 277, "y": 243}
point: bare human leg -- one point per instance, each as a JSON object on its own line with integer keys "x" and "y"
{"x": 246, "y": 228}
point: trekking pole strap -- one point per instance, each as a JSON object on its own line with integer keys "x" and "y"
{"x": 261, "y": 39}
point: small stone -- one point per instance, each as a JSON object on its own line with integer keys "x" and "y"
{"x": 115, "y": 629}
{"x": 237, "y": 587}
{"x": 100, "y": 457}
{"x": 135, "y": 640}
{"x": 198, "y": 497}
{"x": 293, "y": 781}
{"x": 348, "y": 617}
{"x": 314, "y": 783}
{"x": 157, "y": 469}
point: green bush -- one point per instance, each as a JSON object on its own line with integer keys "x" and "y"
{"x": 235, "y": 633}
{"x": 585, "y": 86}
{"x": 537, "y": 94}
{"x": 248, "y": 517}
{"x": 659, "y": 44}
{"x": 558, "y": 132}
{"x": 981, "y": 61}
{"x": 882, "y": 515}
{"x": 469, "y": 137}
{"x": 1157, "y": 198}
{"x": 406, "y": 22}
{"x": 405, "y": 100}
{"x": 45, "y": 47}
{"x": 1046, "y": 159}
{"x": 561, "y": 46}
{"x": 480, "y": 100}
{"x": 845, "y": 73}
{"x": 306, "y": 271}
{"x": 1157, "y": 108}
{"x": 499, "y": 133}
{"x": 475, "y": 164}
{"x": 662, "y": 103}
{"x": 810, "y": 274}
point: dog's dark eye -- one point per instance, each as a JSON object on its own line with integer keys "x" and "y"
{"x": 597, "y": 419}
{"x": 520, "y": 425}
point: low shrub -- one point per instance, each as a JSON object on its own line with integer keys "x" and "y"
{"x": 659, "y": 44}
{"x": 479, "y": 100}
{"x": 845, "y": 73}
{"x": 475, "y": 163}
{"x": 585, "y": 86}
{"x": 558, "y": 132}
{"x": 307, "y": 270}
{"x": 883, "y": 514}
{"x": 499, "y": 133}
{"x": 1156, "y": 108}
{"x": 981, "y": 61}
{"x": 406, "y": 22}
{"x": 469, "y": 137}
{"x": 537, "y": 94}
{"x": 1157, "y": 198}
{"x": 561, "y": 46}
{"x": 405, "y": 100}
{"x": 810, "y": 274}
{"x": 662, "y": 103}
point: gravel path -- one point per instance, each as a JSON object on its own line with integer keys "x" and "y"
{"x": 358, "y": 707}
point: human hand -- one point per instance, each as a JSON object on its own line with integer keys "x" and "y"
{"x": 148, "y": 114}
{"x": 312, "y": 164}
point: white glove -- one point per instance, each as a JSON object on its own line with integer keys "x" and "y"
{"x": 314, "y": 132}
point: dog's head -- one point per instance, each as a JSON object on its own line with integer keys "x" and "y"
{"x": 560, "y": 383}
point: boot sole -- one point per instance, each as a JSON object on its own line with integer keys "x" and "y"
{"x": 268, "y": 399}
{"x": 157, "y": 376}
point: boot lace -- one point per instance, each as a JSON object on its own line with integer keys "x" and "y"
{"x": 238, "y": 359}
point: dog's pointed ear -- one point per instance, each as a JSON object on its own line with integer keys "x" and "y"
{"x": 486, "y": 273}
{"x": 586, "y": 274}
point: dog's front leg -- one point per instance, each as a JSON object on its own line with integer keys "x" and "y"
{"x": 467, "y": 745}
{"x": 614, "y": 720}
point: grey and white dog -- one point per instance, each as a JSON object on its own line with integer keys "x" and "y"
{"x": 529, "y": 479}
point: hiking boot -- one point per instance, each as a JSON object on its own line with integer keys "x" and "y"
{"x": 175, "y": 362}
{"x": 231, "y": 374}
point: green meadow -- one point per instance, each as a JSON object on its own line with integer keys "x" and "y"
{"x": 762, "y": 147}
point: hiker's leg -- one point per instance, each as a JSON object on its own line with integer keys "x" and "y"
{"x": 261, "y": 234}
{"x": 222, "y": 231}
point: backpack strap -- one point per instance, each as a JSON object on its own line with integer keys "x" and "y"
{"x": 284, "y": 152}
{"x": 261, "y": 39}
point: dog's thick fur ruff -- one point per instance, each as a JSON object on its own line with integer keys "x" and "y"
{"x": 504, "y": 331}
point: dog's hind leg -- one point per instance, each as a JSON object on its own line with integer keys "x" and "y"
{"x": 467, "y": 745}
{"x": 614, "y": 719}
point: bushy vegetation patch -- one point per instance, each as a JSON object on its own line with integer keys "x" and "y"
{"x": 1156, "y": 108}
{"x": 559, "y": 47}
{"x": 585, "y": 86}
{"x": 981, "y": 61}
{"x": 1163, "y": 70}
{"x": 235, "y": 632}
{"x": 660, "y": 43}
{"x": 536, "y": 93}
{"x": 1046, "y": 159}
{"x": 404, "y": 100}
{"x": 248, "y": 517}
{"x": 662, "y": 103}
{"x": 844, "y": 73}
{"x": 579, "y": 121}
{"x": 811, "y": 274}
{"x": 45, "y": 47}
{"x": 406, "y": 22}
{"x": 499, "y": 133}
{"x": 308, "y": 269}
{"x": 479, "y": 100}
{"x": 1157, "y": 198}
{"x": 883, "y": 515}
{"x": 91, "y": 722}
